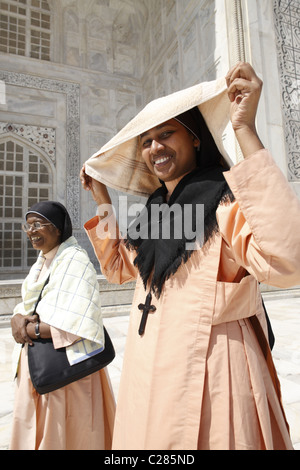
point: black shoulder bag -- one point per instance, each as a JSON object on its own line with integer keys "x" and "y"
{"x": 50, "y": 369}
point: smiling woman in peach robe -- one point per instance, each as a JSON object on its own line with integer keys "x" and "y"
{"x": 198, "y": 371}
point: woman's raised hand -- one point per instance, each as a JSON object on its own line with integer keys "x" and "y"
{"x": 98, "y": 189}
{"x": 244, "y": 90}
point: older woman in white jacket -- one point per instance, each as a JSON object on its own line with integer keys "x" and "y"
{"x": 78, "y": 416}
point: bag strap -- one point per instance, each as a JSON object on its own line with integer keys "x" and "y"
{"x": 40, "y": 296}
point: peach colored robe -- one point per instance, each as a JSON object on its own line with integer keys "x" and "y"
{"x": 78, "y": 416}
{"x": 197, "y": 378}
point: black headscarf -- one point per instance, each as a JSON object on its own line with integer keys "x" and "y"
{"x": 161, "y": 258}
{"x": 56, "y": 213}
{"x": 208, "y": 155}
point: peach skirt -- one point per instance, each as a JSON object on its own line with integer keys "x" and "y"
{"x": 79, "y": 416}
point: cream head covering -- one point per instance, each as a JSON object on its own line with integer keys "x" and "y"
{"x": 119, "y": 164}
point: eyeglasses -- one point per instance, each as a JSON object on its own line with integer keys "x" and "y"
{"x": 35, "y": 226}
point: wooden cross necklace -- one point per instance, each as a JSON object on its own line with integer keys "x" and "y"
{"x": 146, "y": 308}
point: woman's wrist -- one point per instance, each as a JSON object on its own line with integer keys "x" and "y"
{"x": 248, "y": 140}
{"x": 30, "y": 330}
{"x": 38, "y": 330}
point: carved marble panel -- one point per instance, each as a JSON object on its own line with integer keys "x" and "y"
{"x": 71, "y": 92}
{"x": 43, "y": 137}
{"x": 287, "y": 23}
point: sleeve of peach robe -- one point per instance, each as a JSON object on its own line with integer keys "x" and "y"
{"x": 262, "y": 226}
{"x": 62, "y": 339}
{"x": 115, "y": 260}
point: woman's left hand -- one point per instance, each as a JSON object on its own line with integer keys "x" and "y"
{"x": 19, "y": 327}
{"x": 244, "y": 90}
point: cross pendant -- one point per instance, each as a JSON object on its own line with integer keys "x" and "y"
{"x": 146, "y": 308}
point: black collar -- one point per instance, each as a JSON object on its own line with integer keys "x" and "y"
{"x": 159, "y": 258}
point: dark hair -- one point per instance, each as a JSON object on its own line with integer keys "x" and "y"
{"x": 209, "y": 154}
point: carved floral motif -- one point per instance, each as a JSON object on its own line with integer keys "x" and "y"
{"x": 43, "y": 137}
{"x": 287, "y": 25}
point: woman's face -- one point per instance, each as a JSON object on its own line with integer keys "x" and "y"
{"x": 46, "y": 238}
{"x": 169, "y": 150}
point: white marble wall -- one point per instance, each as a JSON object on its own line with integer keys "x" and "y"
{"x": 272, "y": 45}
{"x": 110, "y": 57}
{"x": 184, "y": 43}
